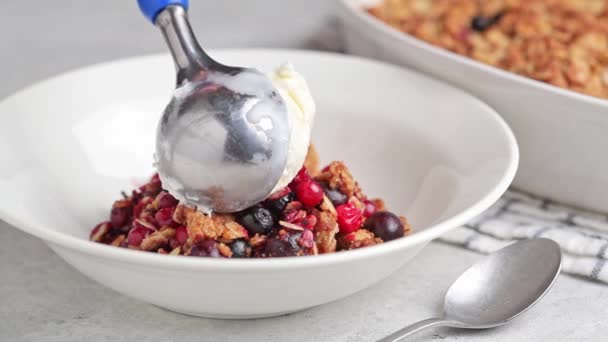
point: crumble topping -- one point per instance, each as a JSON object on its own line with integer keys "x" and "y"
{"x": 319, "y": 212}
{"x": 560, "y": 42}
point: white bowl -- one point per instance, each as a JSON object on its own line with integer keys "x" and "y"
{"x": 70, "y": 144}
{"x": 562, "y": 134}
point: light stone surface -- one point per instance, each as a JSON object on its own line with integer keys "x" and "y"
{"x": 43, "y": 299}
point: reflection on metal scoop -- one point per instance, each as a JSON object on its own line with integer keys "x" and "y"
{"x": 223, "y": 139}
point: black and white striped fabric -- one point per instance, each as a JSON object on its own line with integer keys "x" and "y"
{"x": 583, "y": 236}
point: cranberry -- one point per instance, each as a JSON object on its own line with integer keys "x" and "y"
{"x": 385, "y": 225}
{"x": 181, "y": 235}
{"x": 370, "y": 208}
{"x": 153, "y": 187}
{"x": 239, "y": 249}
{"x": 282, "y": 245}
{"x": 309, "y": 193}
{"x": 164, "y": 217}
{"x": 302, "y": 176}
{"x": 349, "y": 218}
{"x": 277, "y": 202}
{"x": 257, "y": 220}
{"x": 137, "y": 235}
{"x": 335, "y": 196}
{"x": 155, "y": 178}
{"x": 165, "y": 200}
{"x": 205, "y": 248}
{"x": 120, "y": 216}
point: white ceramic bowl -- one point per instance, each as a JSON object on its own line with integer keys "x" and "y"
{"x": 70, "y": 144}
{"x": 562, "y": 134}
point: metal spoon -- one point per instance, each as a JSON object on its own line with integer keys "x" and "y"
{"x": 222, "y": 141}
{"x": 497, "y": 289}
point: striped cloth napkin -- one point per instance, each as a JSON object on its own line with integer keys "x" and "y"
{"x": 583, "y": 236}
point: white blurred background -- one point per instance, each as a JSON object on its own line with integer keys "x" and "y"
{"x": 42, "y": 38}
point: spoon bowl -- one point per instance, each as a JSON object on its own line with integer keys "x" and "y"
{"x": 504, "y": 285}
{"x": 497, "y": 289}
{"x": 222, "y": 143}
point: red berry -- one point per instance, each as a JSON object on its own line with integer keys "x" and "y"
{"x": 138, "y": 234}
{"x": 309, "y": 192}
{"x": 350, "y": 218}
{"x": 120, "y": 216}
{"x": 370, "y": 208}
{"x": 164, "y": 217}
{"x": 302, "y": 176}
{"x": 153, "y": 187}
{"x": 165, "y": 200}
{"x": 181, "y": 235}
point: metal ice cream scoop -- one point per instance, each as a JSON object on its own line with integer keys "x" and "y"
{"x": 223, "y": 139}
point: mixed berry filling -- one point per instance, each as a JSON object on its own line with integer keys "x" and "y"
{"x": 319, "y": 212}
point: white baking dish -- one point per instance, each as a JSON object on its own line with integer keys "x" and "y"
{"x": 562, "y": 134}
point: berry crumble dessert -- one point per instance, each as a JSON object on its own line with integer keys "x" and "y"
{"x": 560, "y": 42}
{"x": 320, "y": 211}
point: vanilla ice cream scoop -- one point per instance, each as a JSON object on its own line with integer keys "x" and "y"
{"x": 301, "y": 110}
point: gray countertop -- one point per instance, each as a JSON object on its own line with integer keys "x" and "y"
{"x": 43, "y": 299}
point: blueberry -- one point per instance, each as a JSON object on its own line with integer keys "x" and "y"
{"x": 257, "y": 220}
{"x": 282, "y": 246}
{"x": 239, "y": 249}
{"x": 385, "y": 225}
{"x": 278, "y": 205}
{"x": 335, "y": 196}
{"x": 481, "y": 23}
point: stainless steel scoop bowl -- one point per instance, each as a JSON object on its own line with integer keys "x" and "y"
{"x": 223, "y": 139}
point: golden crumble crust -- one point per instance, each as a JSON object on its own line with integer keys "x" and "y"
{"x": 325, "y": 231}
{"x": 560, "y": 42}
{"x": 311, "y": 216}
{"x": 337, "y": 176}
{"x": 358, "y": 239}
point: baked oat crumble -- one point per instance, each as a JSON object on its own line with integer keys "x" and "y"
{"x": 321, "y": 211}
{"x": 560, "y": 42}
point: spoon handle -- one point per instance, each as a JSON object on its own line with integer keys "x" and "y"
{"x": 412, "y": 329}
{"x": 171, "y": 17}
{"x": 152, "y": 8}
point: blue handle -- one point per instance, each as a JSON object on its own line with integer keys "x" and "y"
{"x": 151, "y": 8}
